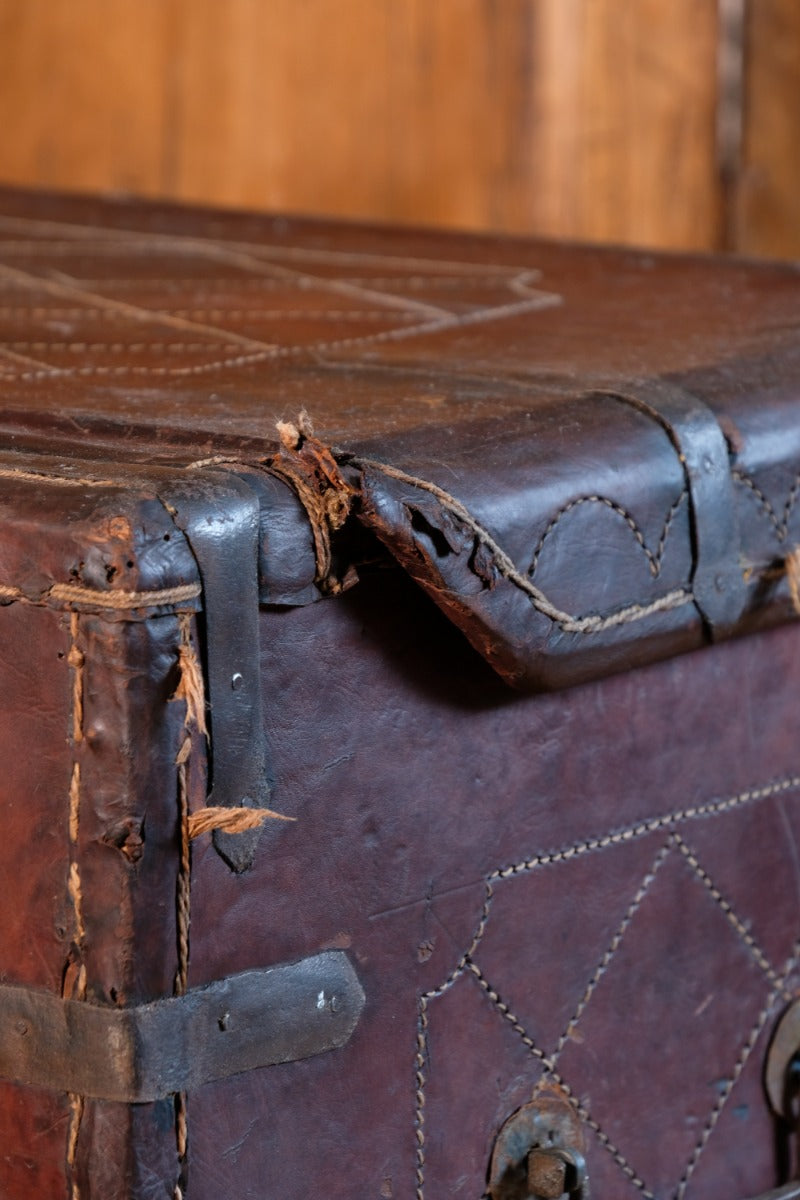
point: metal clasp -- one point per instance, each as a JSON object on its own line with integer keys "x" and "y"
{"x": 782, "y": 1082}
{"x": 539, "y": 1153}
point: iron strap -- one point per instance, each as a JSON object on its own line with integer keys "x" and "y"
{"x": 255, "y": 1019}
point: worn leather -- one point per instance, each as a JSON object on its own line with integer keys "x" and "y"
{"x": 636, "y": 839}
{"x": 596, "y": 887}
{"x": 472, "y": 364}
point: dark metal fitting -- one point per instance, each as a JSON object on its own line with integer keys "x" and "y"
{"x": 150, "y": 1051}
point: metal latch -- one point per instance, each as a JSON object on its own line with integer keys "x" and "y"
{"x": 782, "y": 1082}
{"x": 150, "y": 1051}
{"x": 539, "y": 1153}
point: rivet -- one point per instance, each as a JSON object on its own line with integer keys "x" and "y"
{"x": 237, "y": 679}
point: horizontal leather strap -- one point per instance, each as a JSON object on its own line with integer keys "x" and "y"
{"x": 150, "y": 1051}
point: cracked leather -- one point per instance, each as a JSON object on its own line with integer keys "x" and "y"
{"x": 473, "y": 364}
{"x": 596, "y": 887}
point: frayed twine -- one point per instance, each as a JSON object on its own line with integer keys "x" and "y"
{"x": 191, "y": 688}
{"x": 792, "y": 568}
{"x": 311, "y": 471}
{"x": 231, "y": 820}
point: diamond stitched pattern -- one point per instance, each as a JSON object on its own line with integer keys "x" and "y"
{"x": 209, "y": 305}
{"x": 674, "y": 957}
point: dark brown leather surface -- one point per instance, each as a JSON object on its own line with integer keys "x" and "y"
{"x": 124, "y": 846}
{"x": 648, "y": 829}
{"x": 637, "y": 834}
{"x": 473, "y": 364}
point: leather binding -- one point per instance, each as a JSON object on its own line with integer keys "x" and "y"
{"x": 220, "y": 516}
{"x": 498, "y": 542}
{"x": 718, "y": 588}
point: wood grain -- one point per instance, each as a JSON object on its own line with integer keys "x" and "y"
{"x": 768, "y": 193}
{"x": 81, "y": 92}
{"x": 626, "y": 119}
{"x": 576, "y": 118}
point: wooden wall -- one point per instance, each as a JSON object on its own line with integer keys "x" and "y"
{"x": 583, "y": 118}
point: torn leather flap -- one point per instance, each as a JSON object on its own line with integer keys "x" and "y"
{"x": 604, "y": 537}
{"x": 529, "y": 640}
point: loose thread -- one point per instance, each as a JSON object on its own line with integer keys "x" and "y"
{"x": 231, "y": 820}
{"x": 309, "y": 468}
{"x": 191, "y": 688}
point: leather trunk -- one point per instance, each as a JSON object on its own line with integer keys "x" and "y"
{"x": 414, "y": 614}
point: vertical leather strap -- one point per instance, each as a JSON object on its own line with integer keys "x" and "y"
{"x": 717, "y": 581}
{"x": 219, "y": 514}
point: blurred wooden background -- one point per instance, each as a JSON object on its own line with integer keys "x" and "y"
{"x": 663, "y": 122}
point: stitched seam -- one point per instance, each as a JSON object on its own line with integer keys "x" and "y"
{"x": 263, "y": 353}
{"x": 735, "y": 922}
{"x": 466, "y": 964}
{"x": 549, "y": 1068}
{"x": 115, "y": 347}
{"x": 62, "y": 285}
{"x": 633, "y": 832}
{"x": 654, "y": 558}
{"x": 41, "y": 313}
{"x": 505, "y": 566}
{"x": 244, "y": 283}
{"x": 118, "y": 599}
{"x": 190, "y": 691}
{"x": 614, "y": 946}
{"x": 730, "y": 1083}
{"x": 780, "y": 524}
{"x": 790, "y": 503}
{"x": 77, "y": 990}
{"x": 100, "y": 237}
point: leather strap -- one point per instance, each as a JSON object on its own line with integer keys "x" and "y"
{"x": 219, "y": 514}
{"x": 150, "y": 1051}
{"x": 717, "y": 581}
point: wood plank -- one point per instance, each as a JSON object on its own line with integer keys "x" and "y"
{"x": 626, "y": 107}
{"x": 405, "y": 109}
{"x": 81, "y": 92}
{"x": 581, "y": 118}
{"x": 768, "y": 193}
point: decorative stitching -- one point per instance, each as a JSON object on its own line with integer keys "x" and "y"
{"x": 115, "y": 347}
{"x": 267, "y": 353}
{"x": 553, "y": 1074}
{"x": 44, "y": 477}
{"x": 466, "y": 965}
{"x": 741, "y": 1062}
{"x": 217, "y": 314}
{"x": 102, "y": 236}
{"x": 780, "y": 524}
{"x": 505, "y": 566}
{"x": 614, "y": 946}
{"x": 58, "y": 284}
{"x": 738, "y": 925}
{"x": 651, "y": 825}
{"x": 654, "y": 558}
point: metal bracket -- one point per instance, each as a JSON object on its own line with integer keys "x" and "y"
{"x": 150, "y": 1051}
